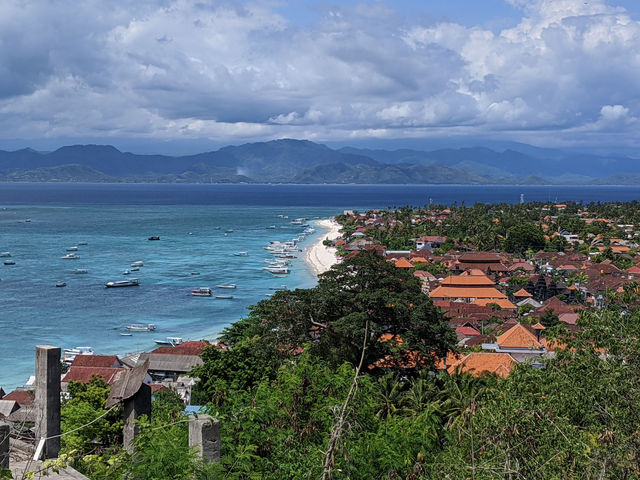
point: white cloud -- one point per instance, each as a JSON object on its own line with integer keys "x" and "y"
{"x": 170, "y": 69}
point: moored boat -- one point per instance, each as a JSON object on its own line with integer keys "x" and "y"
{"x": 70, "y": 256}
{"x": 68, "y": 354}
{"x": 201, "y": 292}
{"x": 132, "y": 282}
{"x": 5, "y": 254}
{"x": 241, "y": 254}
{"x": 141, "y": 327}
{"x": 230, "y": 285}
{"x": 80, "y": 271}
{"x": 225, "y": 297}
{"x": 154, "y": 238}
{"x": 9, "y": 262}
{"x": 173, "y": 341}
{"x": 277, "y": 270}
{"x": 72, "y": 249}
{"x": 137, "y": 263}
{"x": 61, "y": 284}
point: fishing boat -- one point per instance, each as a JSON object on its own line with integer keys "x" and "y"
{"x": 68, "y": 354}
{"x": 277, "y": 270}
{"x": 271, "y": 227}
{"x": 132, "y": 282}
{"x": 141, "y": 327}
{"x": 137, "y": 263}
{"x": 172, "y": 341}
{"x": 61, "y": 284}
{"x": 125, "y": 334}
{"x": 154, "y": 238}
{"x": 5, "y": 254}
{"x": 9, "y": 262}
{"x": 72, "y": 249}
{"x": 281, "y": 287}
{"x": 229, "y": 230}
{"x": 224, "y": 297}
{"x": 201, "y": 292}
{"x": 70, "y": 256}
{"x": 230, "y": 285}
{"x": 241, "y": 254}
{"x": 80, "y": 271}
{"x": 83, "y": 243}
{"x": 126, "y": 272}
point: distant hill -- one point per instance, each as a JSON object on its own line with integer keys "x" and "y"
{"x": 303, "y": 161}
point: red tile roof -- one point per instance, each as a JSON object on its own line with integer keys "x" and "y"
{"x": 186, "y": 348}
{"x": 522, "y": 293}
{"x": 21, "y": 396}
{"x": 469, "y": 292}
{"x": 106, "y": 361}
{"x": 84, "y": 374}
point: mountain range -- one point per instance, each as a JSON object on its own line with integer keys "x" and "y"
{"x": 303, "y": 161}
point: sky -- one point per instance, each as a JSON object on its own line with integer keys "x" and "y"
{"x": 183, "y": 76}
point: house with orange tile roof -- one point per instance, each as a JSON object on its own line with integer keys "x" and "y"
{"x": 480, "y": 363}
{"x": 522, "y": 293}
{"x": 466, "y": 288}
{"x": 503, "y": 303}
{"x": 519, "y": 342}
{"x": 403, "y": 263}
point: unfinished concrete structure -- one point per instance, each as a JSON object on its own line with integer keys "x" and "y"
{"x": 48, "y": 370}
{"x": 204, "y": 434}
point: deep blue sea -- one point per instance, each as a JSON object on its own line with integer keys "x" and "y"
{"x": 39, "y": 221}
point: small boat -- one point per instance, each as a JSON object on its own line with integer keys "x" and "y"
{"x": 5, "y": 254}
{"x": 224, "y": 297}
{"x": 281, "y": 287}
{"x": 241, "y": 254}
{"x": 80, "y": 271}
{"x": 201, "y": 292}
{"x": 229, "y": 230}
{"x": 141, "y": 327}
{"x": 230, "y": 285}
{"x": 132, "y": 282}
{"x": 28, "y": 220}
{"x": 218, "y": 228}
{"x": 72, "y": 249}
{"x": 61, "y": 284}
{"x": 70, "y": 256}
{"x": 126, "y": 272}
{"x": 195, "y": 273}
{"x": 70, "y": 353}
{"x": 137, "y": 263}
{"x": 154, "y": 238}
{"x": 9, "y": 262}
{"x": 271, "y": 227}
{"x": 83, "y": 243}
{"x": 277, "y": 270}
{"x": 173, "y": 341}
{"x": 135, "y": 269}
{"x": 125, "y": 334}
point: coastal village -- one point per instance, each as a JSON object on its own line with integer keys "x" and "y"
{"x": 500, "y": 303}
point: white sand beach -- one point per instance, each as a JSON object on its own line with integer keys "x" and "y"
{"x": 320, "y": 257}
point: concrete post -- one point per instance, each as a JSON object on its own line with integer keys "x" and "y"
{"x": 204, "y": 434}
{"x": 4, "y": 446}
{"x": 48, "y": 398}
{"x": 134, "y": 408}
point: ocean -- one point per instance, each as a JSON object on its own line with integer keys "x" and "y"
{"x": 38, "y": 222}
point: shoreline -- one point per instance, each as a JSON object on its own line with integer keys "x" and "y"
{"x": 318, "y": 256}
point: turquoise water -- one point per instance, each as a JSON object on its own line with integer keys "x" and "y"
{"x": 193, "y": 238}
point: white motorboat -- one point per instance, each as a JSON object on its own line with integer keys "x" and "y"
{"x": 141, "y": 327}
{"x": 132, "y": 282}
{"x": 173, "y": 341}
{"x": 230, "y": 285}
{"x": 9, "y": 262}
{"x": 277, "y": 270}
{"x": 201, "y": 292}
{"x": 72, "y": 249}
{"x": 80, "y": 271}
{"x": 68, "y": 354}
{"x": 70, "y": 256}
{"x": 61, "y": 284}
{"x": 137, "y": 263}
{"x": 5, "y": 254}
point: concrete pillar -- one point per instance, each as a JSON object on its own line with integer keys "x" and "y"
{"x": 4, "y": 446}
{"x": 134, "y": 408}
{"x": 48, "y": 398}
{"x": 204, "y": 434}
